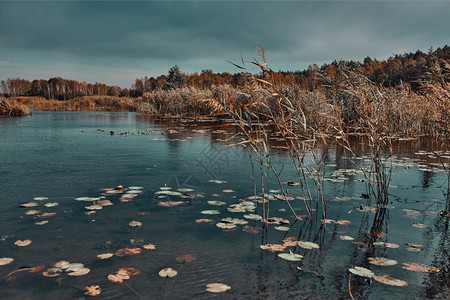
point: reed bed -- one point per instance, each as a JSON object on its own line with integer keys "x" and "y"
{"x": 11, "y": 108}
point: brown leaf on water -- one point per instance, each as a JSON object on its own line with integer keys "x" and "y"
{"x": 149, "y": 246}
{"x": 88, "y": 213}
{"x": 37, "y": 269}
{"x": 41, "y": 223}
{"x": 47, "y": 214}
{"x": 117, "y": 278}
{"x": 130, "y": 271}
{"x": 29, "y": 204}
{"x": 277, "y": 221}
{"x": 92, "y": 290}
{"x": 171, "y": 203}
{"x": 128, "y": 251}
{"x": 79, "y": 272}
{"x": 217, "y": 287}
{"x": 186, "y": 258}
{"x": 273, "y": 247}
{"x": 342, "y": 222}
{"x": 290, "y": 242}
{"x": 419, "y": 225}
{"x": 252, "y": 229}
{"x": 386, "y": 279}
{"x": 23, "y": 243}
{"x": 32, "y": 212}
{"x": 416, "y": 267}
{"x": 105, "y": 255}
{"x": 52, "y": 272}
{"x": 203, "y": 221}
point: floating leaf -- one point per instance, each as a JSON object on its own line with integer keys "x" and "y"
{"x": 23, "y": 243}
{"x": 86, "y": 199}
{"x": 412, "y": 249}
{"x": 47, "y": 214}
{"x": 79, "y": 272}
{"x": 32, "y": 212}
{"x": 308, "y": 245}
{"x": 410, "y": 212}
{"x": 128, "y": 251}
{"x": 186, "y": 258}
{"x": 228, "y": 191}
{"x": 41, "y": 223}
{"x": 29, "y": 204}
{"x": 168, "y": 193}
{"x": 290, "y": 242}
{"x": 52, "y": 272}
{"x": 291, "y": 256}
{"x": 342, "y": 222}
{"x": 210, "y": 212}
{"x": 61, "y": 264}
{"x": 217, "y": 181}
{"x": 416, "y": 267}
{"x": 105, "y": 255}
{"x": 203, "y": 221}
{"x": 105, "y": 202}
{"x": 346, "y": 238}
{"x": 253, "y": 217}
{"x": 149, "y": 246}
{"x": 217, "y": 287}
{"x": 185, "y": 190}
{"x": 168, "y": 272}
{"x": 118, "y": 278}
{"x": 165, "y": 188}
{"x": 382, "y": 261}
{"x": 386, "y": 279}
{"x": 171, "y": 203}
{"x": 135, "y": 224}
{"x": 51, "y": 204}
{"x": 37, "y": 269}
{"x": 6, "y": 260}
{"x": 40, "y": 198}
{"x": 272, "y": 247}
{"x": 234, "y": 221}
{"x": 94, "y": 207}
{"x": 360, "y": 271}
{"x": 282, "y": 228}
{"x": 92, "y": 290}
{"x": 226, "y": 225}
{"x": 251, "y": 229}
{"x": 135, "y": 188}
{"x": 130, "y": 271}
{"x": 387, "y": 245}
{"x": 218, "y": 203}
{"x": 277, "y": 221}
{"x": 88, "y": 213}
{"x": 419, "y": 225}
{"x": 72, "y": 267}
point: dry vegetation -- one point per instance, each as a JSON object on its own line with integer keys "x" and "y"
{"x": 11, "y": 108}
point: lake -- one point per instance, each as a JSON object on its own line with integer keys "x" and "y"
{"x": 55, "y": 164}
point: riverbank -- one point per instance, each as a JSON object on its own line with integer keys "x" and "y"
{"x": 12, "y": 108}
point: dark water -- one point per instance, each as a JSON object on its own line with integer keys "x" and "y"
{"x": 63, "y": 156}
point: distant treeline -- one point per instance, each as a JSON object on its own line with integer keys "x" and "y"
{"x": 411, "y": 68}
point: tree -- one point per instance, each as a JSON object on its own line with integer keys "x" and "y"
{"x": 174, "y": 79}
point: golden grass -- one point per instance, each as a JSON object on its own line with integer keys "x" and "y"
{"x": 11, "y": 108}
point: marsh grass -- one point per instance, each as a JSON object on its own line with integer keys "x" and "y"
{"x": 12, "y": 108}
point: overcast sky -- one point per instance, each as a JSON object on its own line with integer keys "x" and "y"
{"x": 116, "y": 41}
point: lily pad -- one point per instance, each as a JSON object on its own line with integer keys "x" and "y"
{"x": 346, "y": 238}
{"x": 217, "y": 181}
{"x": 386, "y": 279}
{"x": 79, "y": 272}
{"x": 40, "y": 198}
{"x": 171, "y": 203}
{"x": 308, "y": 245}
{"x": 253, "y": 217}
{"x": 210, "y": 212}
{"x": 291, "y": 256}
{"x": 387, "y": 245}
{"x": 52, "y": 272}
{"x": 419, "y": 225}
{"x": 6, "y": 260}
{"x": 218, "y": 203}
{"x": 272, "y": 247}
{"x": 382, "y": 261}
{"x": 361, "y": 271}
{"x": 105, "y": 255}
{"x": 29, "y": 204}
{"x": 135, "y": 224}
{"x": 282, "y": 228}
{"x": 226, "y": 225}
{"x": 94, "y": 207}
{"x": 51, "y": 204}
{"x": 217, "y": 287}
{"x": 22, "y": 243}
{"x": 149, "y": 246}
{"x": 92, "y": 290}
{"x": 168, "y": 272}
{"x": 203, "y": 221}
{"x": 41, "y": 223}
{"x": 186, "y": 258}
{"x": 32, "y": 212}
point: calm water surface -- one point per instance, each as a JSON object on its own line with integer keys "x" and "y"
{"x": 65, "y": 155}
